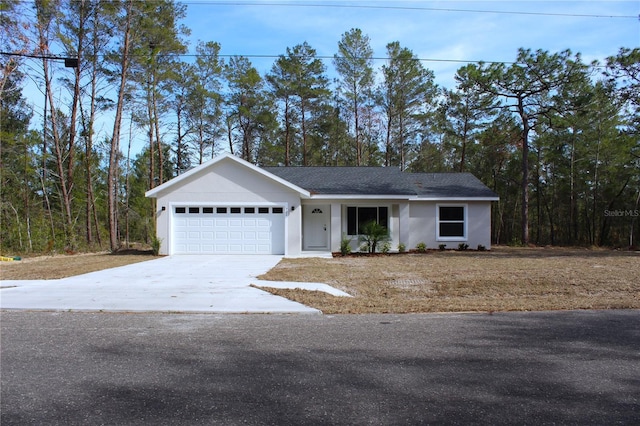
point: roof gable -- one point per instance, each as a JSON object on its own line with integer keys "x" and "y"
{"x": 204, "y": 167}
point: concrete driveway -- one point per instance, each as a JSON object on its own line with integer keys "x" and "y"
{"x": 216, "y": 284}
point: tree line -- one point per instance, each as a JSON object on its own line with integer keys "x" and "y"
{"x": 557, "y": 139}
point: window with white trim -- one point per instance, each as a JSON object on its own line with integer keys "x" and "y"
{"x": 358, "y": 216}
{"x": 451, "y": 222}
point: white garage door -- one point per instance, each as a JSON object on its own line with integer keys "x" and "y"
{"x": 228, "y": 230}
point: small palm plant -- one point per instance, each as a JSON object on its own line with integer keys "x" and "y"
{"x": 373, "y": 233}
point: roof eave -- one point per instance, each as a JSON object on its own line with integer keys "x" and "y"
{"x": 396, "y": 197}
{"x": 360, "y": 197}
{"x": 419, "y": 198}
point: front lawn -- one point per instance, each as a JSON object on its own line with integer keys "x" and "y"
{"x": 504, "y": 279}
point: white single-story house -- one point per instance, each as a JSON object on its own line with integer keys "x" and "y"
{"x": 230, "y": 206}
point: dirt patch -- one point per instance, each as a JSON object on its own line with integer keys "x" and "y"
{"x": 62, "y": 266}
{"x": 505, "y": 279}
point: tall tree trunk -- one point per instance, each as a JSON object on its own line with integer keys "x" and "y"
{"x": 201, "y": 145}
{"x": 43, "y": 43}
{"x": 127, "y": 184}
{"x": 57, "y": 145}
{"x": 152, "y": 157}
{"x": 112, "y": 176}
{"x": 596, "y": 187}
{"x": 573, "y": 213}
{"x": 524, "y": 224}
{"x": 91, "y": 210}
{"x": 465, "y": 133}
{"x": 401, "y": 142}
{"x": 538, "y": 195}
{"x": 76, "y": 100}
{"x": 287, "y": 133}
{"x": 156, "y": 125}
{"x": 44, "y": 174}
{"x": 230, "y": 134}
{"x": 304, "y": 133}
{"x": 357, "y": 133}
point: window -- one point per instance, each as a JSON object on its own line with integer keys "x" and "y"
{"x": 235, "y": 210}
{"x": 221, "y": 210}
{"x": 358, "y": 216}
{"x": 263, "y": 210}
{"x": 249, "y": 210}
{"x": 181, "y": 209}
{"x": 208, "y": 210}
{"x": 194, "y": 209}
{"x": 452, "y": 222}
{"x": 278, "y": 210}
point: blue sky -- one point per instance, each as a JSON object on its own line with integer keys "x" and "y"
{"x": 431, "y": 29}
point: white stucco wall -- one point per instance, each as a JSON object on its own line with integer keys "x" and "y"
{"x": 413, "y": 222}
{"x": 228, "y": 182}
{"x": 423, "y": 224}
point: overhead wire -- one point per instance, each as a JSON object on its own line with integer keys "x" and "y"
{"x": 352, "y": 6}
{"x": 396, "y": 7}
{"x": 260, "y": 56}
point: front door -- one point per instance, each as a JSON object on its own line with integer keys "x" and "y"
{"x": 315, "y": 219}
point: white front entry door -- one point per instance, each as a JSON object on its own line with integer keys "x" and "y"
{"x": 315, "y": 229}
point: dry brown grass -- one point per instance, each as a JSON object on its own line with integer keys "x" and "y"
{"x": 62, "y": 266}
{"x": 505, "y": 279}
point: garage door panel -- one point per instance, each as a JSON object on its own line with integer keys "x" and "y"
{"x": 227, "y": 229}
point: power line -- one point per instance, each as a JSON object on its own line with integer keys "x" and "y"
{"x": 375, "y": 58}
{"x": 412, "y": 8}
{"x": 261, "y": 56}
{"x": 72, "y": 62}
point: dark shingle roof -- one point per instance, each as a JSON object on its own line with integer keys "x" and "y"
{"x": 388, "y": 181}
{"x": 345, "y": 180}
{"x": 436, "y": 185}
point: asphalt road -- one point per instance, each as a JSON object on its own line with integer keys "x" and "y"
{"x": 506, "y": 368}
